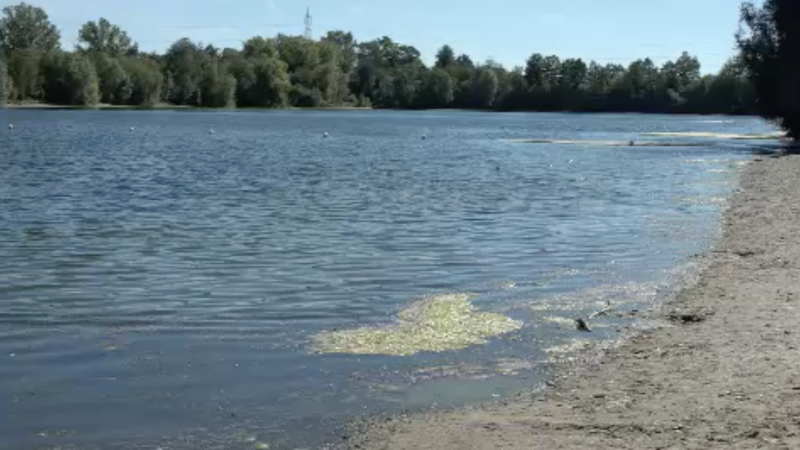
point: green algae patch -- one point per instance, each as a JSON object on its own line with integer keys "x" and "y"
{"x": 609, "y": 143}
{"x": 435, "y": 324}
{"x": 733, "y": 136}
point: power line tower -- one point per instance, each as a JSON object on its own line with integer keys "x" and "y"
{"x": 307, "y": 22}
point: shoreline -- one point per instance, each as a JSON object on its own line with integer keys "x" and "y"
{"x": 167, "y": 107}
{"x": 719, "y": 369}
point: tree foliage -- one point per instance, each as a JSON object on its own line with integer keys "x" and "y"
{"x": 5, "y": 83}
{"x": 70, "y": 80}
{"x": 104, "y": 37}
{"x": 769, "y": 40}
{"x": 284, "y": 70}
{"x": 145, "y": 80}
{"x": 27, "y": 27}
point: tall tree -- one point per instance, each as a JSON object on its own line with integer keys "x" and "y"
{"x": 24, "y": 68}
{"x": 347, "y": 49}
{"x": 145, "y": 80}
{"x": 185, "y": 63}
{"x": 27, "y": 27}
{"x": 484, "y": 87}
{"x": 115, "y": 85}
{"x": 102, "y": 36}
{"x": 259, "y": 46}
{"x": 5, "y": 83}
{"x": 437, "y": 89}
{"x": 769, "y": 40}
{"x": 445, "y": 57}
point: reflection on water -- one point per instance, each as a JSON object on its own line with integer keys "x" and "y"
{"x": 162, "y": 287}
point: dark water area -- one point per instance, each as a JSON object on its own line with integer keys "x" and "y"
{"x": 160, "y": 282}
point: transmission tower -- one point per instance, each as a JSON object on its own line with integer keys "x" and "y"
{"x": 307, "y": 21}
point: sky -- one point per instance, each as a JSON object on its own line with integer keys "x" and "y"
{"x": 507, "y": 31}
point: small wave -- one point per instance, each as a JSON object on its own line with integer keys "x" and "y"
{"x": 707, "y": 161}
{"x": 595, "y": 297}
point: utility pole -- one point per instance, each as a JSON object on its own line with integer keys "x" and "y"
{"x": 307, "y": 22}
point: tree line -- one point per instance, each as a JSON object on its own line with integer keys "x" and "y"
{"x": 108, "y": 67}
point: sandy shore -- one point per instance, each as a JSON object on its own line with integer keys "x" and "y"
{"x": 722, "y": 369}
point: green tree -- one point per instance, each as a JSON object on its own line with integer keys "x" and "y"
{"x": 115, "y": 84}
{"x": 262, "y": 82}
{"x": 438, "y": 89}
{"x": 185, "y": 62}
{"x": 516, "y": 96}
{"x": 769, "y": 41}
{"x": 145, "y": 80}
{"x": 328, "y": 77}
{"x": 445, "y": 57}
{"x": 102, "y": 36}
{"x": 24, "y": 68}
{"x": 259, "y": 46}
{"x": 70, "y": 79}
{"x": 27, "y": 27}
{"x": 347, "y": 46}
{"x": 730, "y": 90}
{"x": 217, "y": 86}
{"x": 535, "y": 72}
{"x": 484, "y": 87}
{"x": 5, "y": 83}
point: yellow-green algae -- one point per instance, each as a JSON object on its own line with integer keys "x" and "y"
{"x": 436, "y": 324}
{"x": 595, "y": 142}
{"x": 733, "y": 136}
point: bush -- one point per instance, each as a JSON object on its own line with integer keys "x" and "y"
{"x": 146, "y": 81}
{"x": 70, "y": 79}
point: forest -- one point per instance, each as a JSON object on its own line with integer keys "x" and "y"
{"x": 106, "y": 67}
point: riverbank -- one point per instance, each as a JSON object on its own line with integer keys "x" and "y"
{"x": 720, "y": 370}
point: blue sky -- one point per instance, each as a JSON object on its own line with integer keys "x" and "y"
{"x": 506, "y": 30}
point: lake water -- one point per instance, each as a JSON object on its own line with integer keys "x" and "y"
{"x": 160, "y": 283}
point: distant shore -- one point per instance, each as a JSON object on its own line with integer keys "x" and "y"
{"x": 718, "y": 372}
{"x": 162, "y": 106}
{"x": 169, "y": 106}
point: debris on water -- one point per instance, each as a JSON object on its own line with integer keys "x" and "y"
{"x": 435, "y": 324}
{"x": 11, "y": 126}
{"x": 325, "y": 134}
{"x": 581, "y": 325}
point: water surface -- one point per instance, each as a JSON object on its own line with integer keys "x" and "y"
{"x": 160, "y": 285}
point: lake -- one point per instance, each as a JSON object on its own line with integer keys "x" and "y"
{"x": 165, "y": 276}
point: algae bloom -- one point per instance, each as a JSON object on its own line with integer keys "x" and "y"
{"x": 435, "y": 324}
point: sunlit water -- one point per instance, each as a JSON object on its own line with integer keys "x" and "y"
{"x": 161, "y": 285}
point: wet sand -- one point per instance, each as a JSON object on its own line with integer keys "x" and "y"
{"x": 721, "y": 369}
